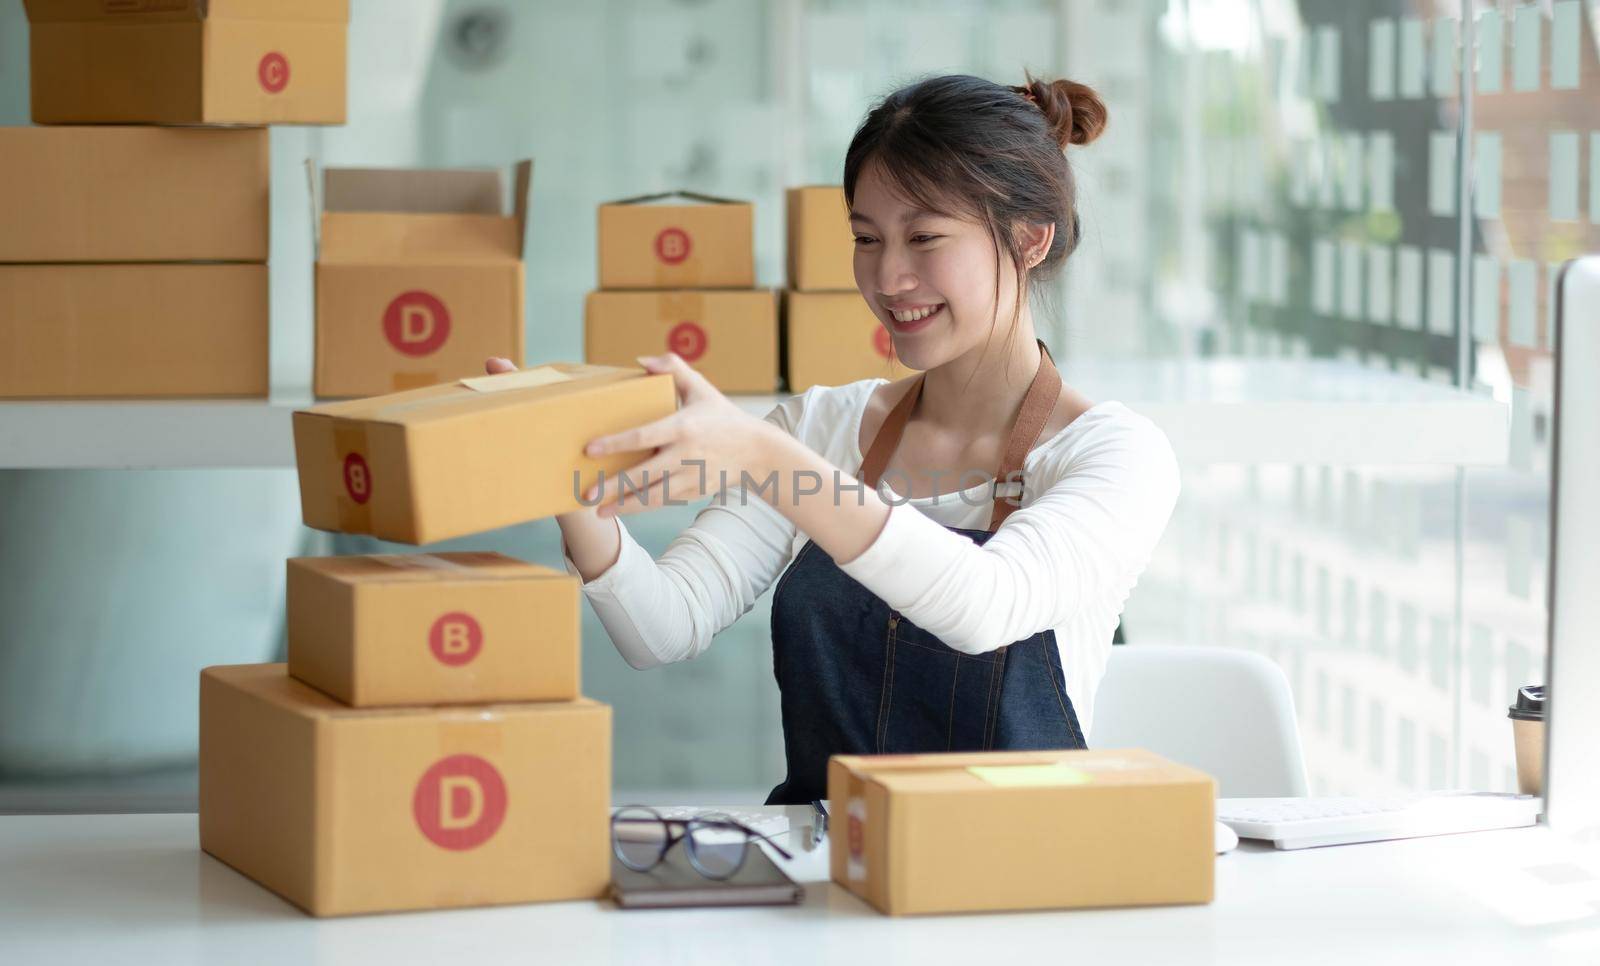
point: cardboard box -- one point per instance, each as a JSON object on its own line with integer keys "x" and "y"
{"x": 706, "y": 244}
{"x": 1021, "y": 830}
{"x": 472, "y": 455}
{"x": 342, "y": 811}
{"x": 133, "y": 330}
{"x": 419, "y": 277}
{"x": 832, "y": 338}
{"x": 822, "y": 246}
{"x": 730, "y": 337}
{"x": 134, "y": 194}
{"x": 448, "y": 628}
{"x": 188, "y": 61}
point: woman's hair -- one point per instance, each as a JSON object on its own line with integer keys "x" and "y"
{"x": 970, "y": 147}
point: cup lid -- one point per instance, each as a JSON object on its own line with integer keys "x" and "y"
{"x": 1529, "y": 705}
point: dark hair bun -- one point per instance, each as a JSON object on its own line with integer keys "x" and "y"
{"x": 1075, "y": 113}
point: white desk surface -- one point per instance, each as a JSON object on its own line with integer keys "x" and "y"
{"x": 137, "y": 889}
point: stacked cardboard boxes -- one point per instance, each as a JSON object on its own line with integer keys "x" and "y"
{"x": 830, "y": 335}
{"x": 677, "y": 274}
{"x": 419, "y": 276}
{"x": 134, "y": 260}
{"x": 425, "y": 746}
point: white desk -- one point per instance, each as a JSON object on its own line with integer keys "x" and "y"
{"x": 137, "y": 889}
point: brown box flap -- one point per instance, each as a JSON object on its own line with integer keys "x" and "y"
{"x": 417, "y": 190}
{"x": 174, "y": 11}
{"x": 953, "y": 772}
{"x": 272, "y": 683}
{"x": 426, "y": 567}
{"x": 692, "y": 196}
{"x": 448, "y": 400}
{"x": 409, "y": 214}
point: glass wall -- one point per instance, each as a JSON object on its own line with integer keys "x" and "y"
{"x": 1385, "y": 186}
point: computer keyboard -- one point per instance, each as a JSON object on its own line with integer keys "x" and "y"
{"x": 1301, "y": 823}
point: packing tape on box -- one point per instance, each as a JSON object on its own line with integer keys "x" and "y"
{"x": 417, "y": 561}
{"x": 401, "y": 381}
{"x": 520, "y": 379}
{"x": 684, "y": 274}
{"x": 674, "y": 309}
{"x": 474, "y": 732}
{"x": 355, "y": 477}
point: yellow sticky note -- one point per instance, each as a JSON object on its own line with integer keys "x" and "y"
{"x": 1031, "y": 776}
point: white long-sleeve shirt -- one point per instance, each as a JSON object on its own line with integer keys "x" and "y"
{"x": 1097, "y": 496}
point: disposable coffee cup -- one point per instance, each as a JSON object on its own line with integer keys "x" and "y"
{"x": 1527, "y": 734}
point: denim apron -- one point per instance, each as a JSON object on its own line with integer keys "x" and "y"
{"x": 857, "y": 678}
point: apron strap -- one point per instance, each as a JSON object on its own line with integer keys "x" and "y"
{"x": 1037, "y": 405}
{"x": 883, "y": 444}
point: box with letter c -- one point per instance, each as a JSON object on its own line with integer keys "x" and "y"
{"x": 188, "y": 61}
{"x": 730, "y": 337}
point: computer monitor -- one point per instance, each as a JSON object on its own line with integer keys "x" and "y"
{"x": 1572, "y": 707}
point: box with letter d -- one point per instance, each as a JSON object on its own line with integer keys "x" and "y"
{"x": 419, "y": 276}
{"x": 343, "y": 810}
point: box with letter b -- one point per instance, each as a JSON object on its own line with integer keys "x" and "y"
{"x": 473, "y": 455}
{"x": 699, "y": 241}
{"x": 419, "y": 276}
{"x": 393, "y": 629}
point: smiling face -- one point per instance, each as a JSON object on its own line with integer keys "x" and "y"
{"x": 936, "y": 281}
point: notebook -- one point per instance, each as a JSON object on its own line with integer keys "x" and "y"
{"x": 674, "y": 883}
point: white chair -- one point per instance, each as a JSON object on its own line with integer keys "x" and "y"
{"x": 1226, "y": 712}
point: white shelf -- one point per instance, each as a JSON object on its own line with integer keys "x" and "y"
{"x": 1214, "y": 411}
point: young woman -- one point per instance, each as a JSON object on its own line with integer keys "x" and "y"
{"x": 910, "y": 619}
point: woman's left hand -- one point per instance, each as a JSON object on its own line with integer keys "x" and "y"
{"x": 700, "y": 448}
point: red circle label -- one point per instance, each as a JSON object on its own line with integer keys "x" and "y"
{"x": 673, "y": 245}
{"x": 357, "y": 478}
{"x": 273, "y": 72}
{"x": 416, "y": 323}
{"x": 459, "y": 802}
{"x": 882, "y": 343}
{"x": 687, "y": 340}
{"x": 455, "y": 639}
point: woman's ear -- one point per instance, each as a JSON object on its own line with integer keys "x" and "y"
{"x": 1035, "y": 242}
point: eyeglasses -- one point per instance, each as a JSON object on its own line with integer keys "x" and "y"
{"x": 716, "y": 844}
